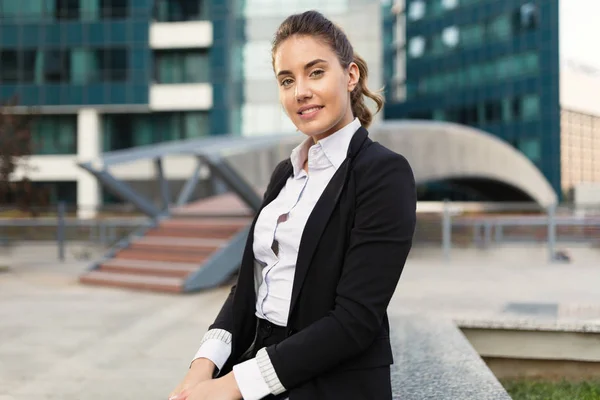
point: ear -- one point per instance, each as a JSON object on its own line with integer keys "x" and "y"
{"x": 353, "y": 75}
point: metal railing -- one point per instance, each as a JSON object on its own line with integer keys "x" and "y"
{"x": 58, "y": 225}
{"x": 445, "y": 225}
{"x": 464, "y": 225}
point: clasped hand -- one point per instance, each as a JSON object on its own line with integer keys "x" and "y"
{"x": 224, "y": 388}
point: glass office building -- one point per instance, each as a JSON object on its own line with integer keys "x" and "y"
{"x": 113, "y": 74}
{"x": 491, "y": 64}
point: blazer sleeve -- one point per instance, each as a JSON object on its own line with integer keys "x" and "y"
{"x": 224, "y": 319}
{"x": 380, "y": 240}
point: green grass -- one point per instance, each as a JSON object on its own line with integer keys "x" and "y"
{"x": 546, "y": 390}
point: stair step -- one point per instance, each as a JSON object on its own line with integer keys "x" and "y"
{"x": 154, "y": 268}
{"x": 198, "y": 233}
{"x": 132, "y": 281}
{"x": 196, "y": 243}
{"x": 150, "y": 254}
{"x": 206, "y": 222}
{"x": 221, "y": 205}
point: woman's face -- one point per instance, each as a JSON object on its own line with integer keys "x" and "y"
{"x": 314, "y": 89}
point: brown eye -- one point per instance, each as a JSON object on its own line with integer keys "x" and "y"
{"x": 317, "y": 73}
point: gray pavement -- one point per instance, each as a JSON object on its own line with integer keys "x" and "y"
{"x": 62, "y": 340}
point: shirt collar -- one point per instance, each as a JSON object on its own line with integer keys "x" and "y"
{"x": 335, "y": 147}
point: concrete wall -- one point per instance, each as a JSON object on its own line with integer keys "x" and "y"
{"x": 435, "y": 150}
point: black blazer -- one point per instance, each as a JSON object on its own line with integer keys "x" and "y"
{"x": 351, "y": 255}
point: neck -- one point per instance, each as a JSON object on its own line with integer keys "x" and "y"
{"x": 348, "y": 118}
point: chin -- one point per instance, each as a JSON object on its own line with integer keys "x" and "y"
{"x": 313, "y": 128}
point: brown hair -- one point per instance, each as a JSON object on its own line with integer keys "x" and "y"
{"x": 313, "y": 23}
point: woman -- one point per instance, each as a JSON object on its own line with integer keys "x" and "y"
{"x": 307, "y": 318}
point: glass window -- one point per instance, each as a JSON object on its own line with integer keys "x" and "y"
{"x": 27, "y": 66}
{"x": 128, "y": 130}
{"x": 450, "y": 36}
{"x": 9, "y": 66}
{"x": 493, "y": 111}
{"x": 506, "y": 110}
{"x": 436, "y": 8}
{"x": 471, "y": 35}
{"x": 530, "y": 107}
{"x": 82, "y": 66}
{"x": 530, "y": 62}
{"x": 114, "y": 8}
{"x": 57, "y": 66}
{"x": 64, "y": 191}
{"x": 196, "y": 124}
{"x": 278, "y": 8}
{"x": 499, "y": 28}
{"x": 416, "y": 46}
{"x": 416, "y": 10}
{"x": 54, "y": 134}
{"x": 180, "y": 10}
{"x": 437, "y": 45}
{"x": 182, "y": 66}
{"x": 516, "y": 108}
{"x": 10, "y": 9}
{"x": 468, "y": 115}
{"x": 531, "y": 148}
{"x": 19, "y": 66}
{"x": 34, "y": 10}
{"x": 525, "y": 18}
{"x": 112, "y": 64}
{"x": 67, "y": 9}
{"x": 89, "y": 10}
{"x": 449, "y": 4}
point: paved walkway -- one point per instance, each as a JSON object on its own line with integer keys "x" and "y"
{"x": 64, "y": 341}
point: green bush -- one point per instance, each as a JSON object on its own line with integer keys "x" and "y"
{"x": 524, "y": 389}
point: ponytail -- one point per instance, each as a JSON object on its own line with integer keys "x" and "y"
{"x": 359, "y": 108}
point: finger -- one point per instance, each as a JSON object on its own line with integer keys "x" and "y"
{"x": 180, "y": 396}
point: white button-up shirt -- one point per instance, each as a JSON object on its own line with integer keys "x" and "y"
{"x": 277, "y": 236}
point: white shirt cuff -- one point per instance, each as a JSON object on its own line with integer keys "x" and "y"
{"x": 215, "y": 346}
{"x": 250, "y": 380}
{"x": 216, "y": 351}
{"x": 268, "y": 372}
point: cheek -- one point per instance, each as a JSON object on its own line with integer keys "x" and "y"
{"x": 337, "y": 95}
{"x": 288, "y": 102}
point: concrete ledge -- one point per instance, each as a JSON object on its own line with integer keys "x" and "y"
{"x": 433, "y": 360}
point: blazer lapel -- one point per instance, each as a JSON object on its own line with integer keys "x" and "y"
{"x": 319, "y": 217}
{"x": 246, "y": 272}
{"x": 278, "y": 184}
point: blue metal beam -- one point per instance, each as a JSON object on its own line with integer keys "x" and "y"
{"x": 223, "y": 171}
{"x": 164, "y": 184}
{"x": 124, "y": 191}
{"x": 190, "y": 185}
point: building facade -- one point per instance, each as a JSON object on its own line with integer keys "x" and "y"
{"x": 490, "y": 64}
{"x": 580, "y": 109}
{"x": 106, "y": 75}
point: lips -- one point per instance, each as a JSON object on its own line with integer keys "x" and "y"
{"x": 310, "y": 110}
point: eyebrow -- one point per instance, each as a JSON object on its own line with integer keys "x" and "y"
{"x": 307, "y": 66}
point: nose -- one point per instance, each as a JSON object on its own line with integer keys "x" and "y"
{"x": 302, "y": 90}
